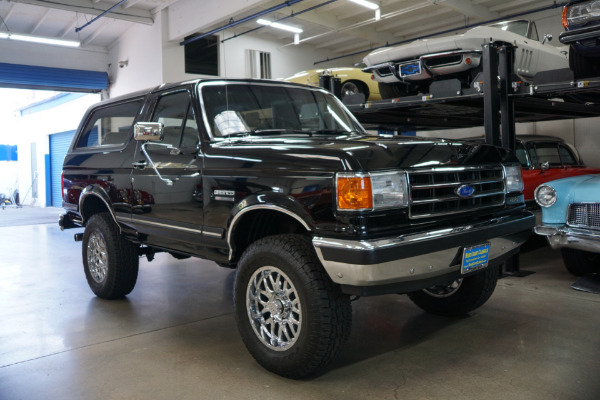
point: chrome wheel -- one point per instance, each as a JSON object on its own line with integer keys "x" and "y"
{"x": 350, "y": 88}
{"x": 444, "y": 291}
{"x": 97, "y": 258}
{"x": 274, "y": 308}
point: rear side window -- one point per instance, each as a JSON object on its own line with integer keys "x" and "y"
{"x": 110, "y": 126}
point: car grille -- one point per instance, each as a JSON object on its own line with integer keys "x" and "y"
{"x": 584, "y": 215}
{"x": 443, "y": 61}
{"x": 435, "y": 192}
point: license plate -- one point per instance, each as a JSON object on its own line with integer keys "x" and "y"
{"x": 475, "y": 257}
{"x": 412, "y": 68}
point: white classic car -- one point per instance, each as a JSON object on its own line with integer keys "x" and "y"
{"x": 409, "y": 69}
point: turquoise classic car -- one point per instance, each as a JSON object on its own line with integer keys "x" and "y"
{"x": 571, "y": 220}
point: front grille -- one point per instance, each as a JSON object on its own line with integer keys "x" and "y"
{"x": 584, "y": 215}
{"x": 444, "y": 60}
{"x": 384, "y": 71}
{"x": 435, "y": 192}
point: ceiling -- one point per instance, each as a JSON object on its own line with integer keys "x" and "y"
{"x": 338, "y": 27}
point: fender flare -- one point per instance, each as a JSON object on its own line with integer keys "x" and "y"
{"x": 268, "y": 201}
{"x": 100, "y": 193}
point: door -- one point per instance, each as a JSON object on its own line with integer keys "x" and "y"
{"x": 59, "y": 145}
{"x": 167, "y": 180}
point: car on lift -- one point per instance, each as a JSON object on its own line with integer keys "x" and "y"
{"x": 545, "y": 158}
{"x": 571, "y": 221}
{"x": 353, "y": 81}
{"x": 581, "y": 20}
{"x": 409, "y": 69}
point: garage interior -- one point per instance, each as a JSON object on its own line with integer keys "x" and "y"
{"x": 174, "y": 336}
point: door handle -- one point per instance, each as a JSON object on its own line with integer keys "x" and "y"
{"x": 140, "y": 164}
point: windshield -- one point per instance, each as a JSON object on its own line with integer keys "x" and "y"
{"x": 234, "y": 109}
{"x": 518, "y": 27}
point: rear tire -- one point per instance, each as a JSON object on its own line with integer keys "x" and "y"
{"x": 392, "y": 90}
{"x": 110, "y": 262}
{"x": 460, "y": 297}
{"x": 579, "y": 262}
{"x": 292, "y": 318}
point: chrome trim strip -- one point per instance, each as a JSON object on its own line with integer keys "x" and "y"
{"x": 85, "y": 193}
{"x": 454, "y": 198}
{"x": 560, "y": 236}
{"x": 271, "y": 207}
{"x": 450, "y": 184}
{"x": 167, "y": 226}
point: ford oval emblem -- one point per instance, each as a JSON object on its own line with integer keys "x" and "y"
{"x": 465, "y": 190}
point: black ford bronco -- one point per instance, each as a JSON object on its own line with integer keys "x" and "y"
{"x": 280, "y": 182}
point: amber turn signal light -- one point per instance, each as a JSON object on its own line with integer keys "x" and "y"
{"x": 354, "y": 193}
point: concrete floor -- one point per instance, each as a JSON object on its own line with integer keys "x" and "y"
{"x": 174, "y": 336}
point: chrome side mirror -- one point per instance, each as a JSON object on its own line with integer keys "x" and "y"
{"x": 545, "y": 165}
{"x": 547, "y": 38}
{"x": 148, "y": 131}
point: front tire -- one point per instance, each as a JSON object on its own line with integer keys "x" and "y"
{"x": 579, "y": 262}
{"x": 350, "y": 88}
{"x": 292, "y": 318}
{"x": 110, "y": 262}
{"x": 460, "y": 297}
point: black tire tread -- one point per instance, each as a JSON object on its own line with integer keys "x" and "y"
{"x": 122, "y": 254}
{"x": 473, "y": 293}
{"x": 580, "y": 262}
{"x": 331, "y": 320}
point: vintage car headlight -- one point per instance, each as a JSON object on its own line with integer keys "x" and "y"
{"x": 581, "y": 13}
{"x": 371, "y": 191}
{"x": 545, "y": 195}
{"x": 514, "y": 180}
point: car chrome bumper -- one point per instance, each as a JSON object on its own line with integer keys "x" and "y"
{"x": 577, "y": 35}
{"x": 575, "y": 238}
{"x": 419, "y": 256}
{"x": 427, "y": 70}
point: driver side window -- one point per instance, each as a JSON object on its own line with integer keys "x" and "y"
{"x": 176, "y": 114}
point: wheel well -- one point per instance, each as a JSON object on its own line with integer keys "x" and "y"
{"x": 259, "y": 224}
{"x": 92, "y": 205}
{"x": 363, "y": 86}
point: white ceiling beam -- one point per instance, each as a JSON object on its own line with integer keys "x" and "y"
{"x": 136, "y": 15}
{"x": 101, "y": 26}
{"x": 129, "y": 3}
{"x": 70, "y": 28}
{"x": 467, "y": 8}
{"x": 40, "y": 21}
{"x": 11, "y": 8}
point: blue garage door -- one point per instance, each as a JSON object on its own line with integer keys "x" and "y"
{"x": 59, "y": 144}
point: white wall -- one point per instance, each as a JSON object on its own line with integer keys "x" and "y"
{"x": 14, "y": 52}
{"x": 36, "y": 128}
{"x": 141, "y": 48}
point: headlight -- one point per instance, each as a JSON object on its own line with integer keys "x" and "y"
{"x": 545, "y": 195}
{"x": 514, "y": 181}
{"x": 371, "y": 191}
{"x": 581, "y": 13}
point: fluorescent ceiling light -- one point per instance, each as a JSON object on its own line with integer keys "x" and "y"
{"x": 279, "y": 26}
{"x": 366, "y": 3}
{"x": 37, "y": 39}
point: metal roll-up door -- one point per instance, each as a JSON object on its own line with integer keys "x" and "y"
{"x": 60, "y": 79}
{"x": 59, "y": 145}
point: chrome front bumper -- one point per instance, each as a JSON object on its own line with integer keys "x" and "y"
{"x": 421, "y": 256}
{"x": 575, "y": 238}
{"x": 427, "y": 71}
